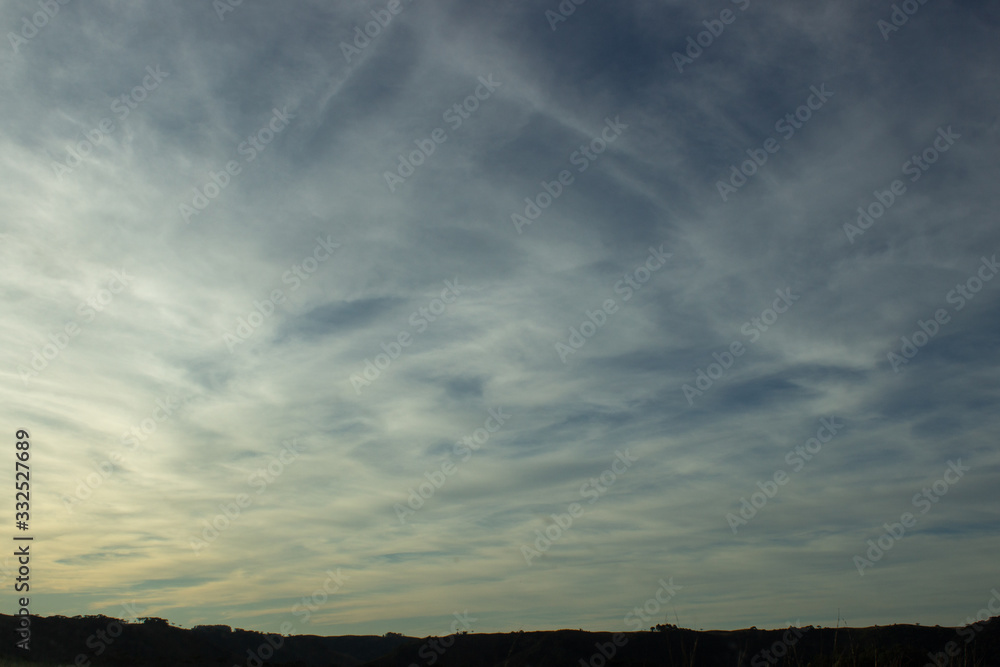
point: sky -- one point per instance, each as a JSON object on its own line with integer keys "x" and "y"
{"x": 356, "y": 316}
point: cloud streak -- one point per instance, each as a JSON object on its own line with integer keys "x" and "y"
{"x": 271, "y": 295}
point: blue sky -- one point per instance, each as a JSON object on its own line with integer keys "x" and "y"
{"x": 494, "y": 312}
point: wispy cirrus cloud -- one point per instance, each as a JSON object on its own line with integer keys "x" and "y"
{"x": 319, "y": 183}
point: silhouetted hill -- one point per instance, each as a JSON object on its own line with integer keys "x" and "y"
{"x": 891, "y": 646}
{"x": 100, "y": 640}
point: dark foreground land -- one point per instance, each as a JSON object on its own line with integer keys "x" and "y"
{"x": 100, "y": 640}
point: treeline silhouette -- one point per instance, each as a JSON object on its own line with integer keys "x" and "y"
{"x": 85, "y": 641}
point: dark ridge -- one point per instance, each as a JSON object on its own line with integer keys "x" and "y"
{"x": 84, "y": 641}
